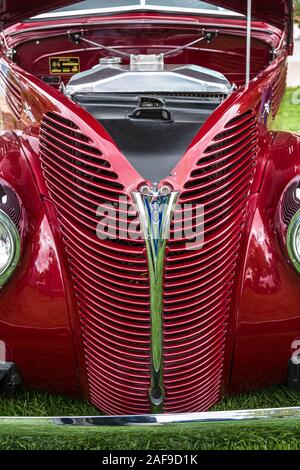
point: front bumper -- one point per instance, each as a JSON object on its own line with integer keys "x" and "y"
{"x": 210, "y": 417}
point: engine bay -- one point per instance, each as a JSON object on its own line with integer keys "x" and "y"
{"x": 150, "y": 87}
{"x": 152, "y": 110}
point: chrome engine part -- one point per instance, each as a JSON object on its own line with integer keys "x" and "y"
{"x": 148, "y": 74}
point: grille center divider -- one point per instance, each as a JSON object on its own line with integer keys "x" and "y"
{"x": 156, "y": 209}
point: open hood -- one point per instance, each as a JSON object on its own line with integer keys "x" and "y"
{"x": 276, "y": 12}
{"x": 12, "y": 11}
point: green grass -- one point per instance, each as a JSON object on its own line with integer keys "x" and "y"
{"x": 297, "y": 11}
{"x": 254, "y": 435}
{"x": 288, "y": 117}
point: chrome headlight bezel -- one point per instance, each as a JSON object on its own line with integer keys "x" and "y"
{"x": 15, "y": 242}
{"x": 291, "y": 240}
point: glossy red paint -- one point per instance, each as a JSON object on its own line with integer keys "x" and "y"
{"x": 34, "y": 316}
{"x": 276, "y": 12}
{"x": 268, "y": 317}
{"x": 52, "y": 306}
{"x": 136, "y": 38}
{"x": 11, "y": 11}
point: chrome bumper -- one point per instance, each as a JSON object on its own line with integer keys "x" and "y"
{"x": 210, "y": 417}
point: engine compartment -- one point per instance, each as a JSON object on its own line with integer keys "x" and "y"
{"x": 157, "y": 87}
{"x": 152, "y": 110}
{"x": 224, "y": 53}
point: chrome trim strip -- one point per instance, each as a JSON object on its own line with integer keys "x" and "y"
{"x": 211, "y": 417}
{"x": 156, "y": 208}
{"x": 154, "y": 8}
{"x": 205, "y": 417}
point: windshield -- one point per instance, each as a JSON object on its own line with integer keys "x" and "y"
{"x": 90, "y": 7}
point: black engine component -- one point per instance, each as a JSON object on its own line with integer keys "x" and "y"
{"x": 9, "y": 379}
{"x": 152, "y": 131}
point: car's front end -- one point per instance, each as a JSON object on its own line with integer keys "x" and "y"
{"x": 155, "y": 267}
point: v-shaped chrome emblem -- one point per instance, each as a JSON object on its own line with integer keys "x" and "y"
{"x": 156, "y": 209}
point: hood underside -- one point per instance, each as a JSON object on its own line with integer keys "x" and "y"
{"x": 276, "y": 12}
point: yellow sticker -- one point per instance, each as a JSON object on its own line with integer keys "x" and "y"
{"x": 67, "y": 65}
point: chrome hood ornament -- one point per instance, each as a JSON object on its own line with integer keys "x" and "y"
{"x": 156, "y": 208}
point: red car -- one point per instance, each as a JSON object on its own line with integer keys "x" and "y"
{"x": 149, "y": 214}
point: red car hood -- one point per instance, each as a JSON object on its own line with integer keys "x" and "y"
{"x": 276, "y": 12}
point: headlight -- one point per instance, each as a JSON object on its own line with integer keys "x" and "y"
{"x": 293, "y": 240}
{"x": 10, "y": 247}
